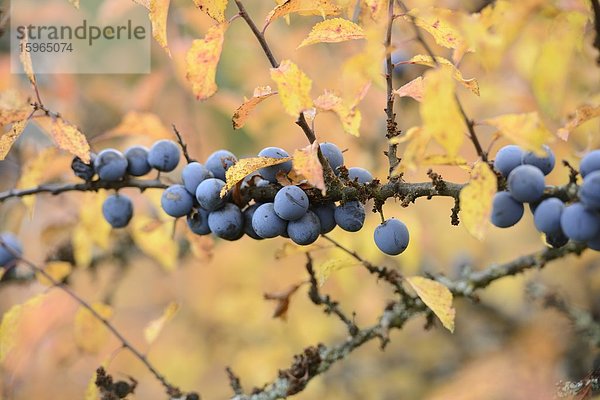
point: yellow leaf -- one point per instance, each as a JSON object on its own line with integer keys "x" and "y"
{"x": 155, "y": 239}
{"x": 437, "y": 297}
{"x": 10, "y": 324}
{"x": 306, "y": 163}
{"x": 34, "y": 173}
{"x": 476, "y": 200}
{"x": 349, "y": 116}
{"x": 582, "y": 114}
{"x": 58, "y": 270}
{"x": 159, "y": 11}
{"x": 90, "y": 333}
{"x": 293, "y": 86}
{"x": 9, "y": 138}
{"x": 442, "y": 159}
{"x": 440, "y": 113}
{"x": 25, "y": 57}
{"x": 154, "y": 328}
{"x": 142, "y": 124}
{"x": 143, "y": 3}
{"x": 241, "y": 114}
{"x": 90, "y": 231}
{"x": 202, "y": 59}
{"x": 333, "y": 31}
{"x": 245, "y": 167}
{"x": 214, "y": 8}
{"x": 412, "y": 89}
{"x": 75, "y": 3}
{"x": 68, "y": 137}
{"x": 421, "y": 59}
{"x": 436, "y": 22}
{"x": 310, "y": 7}
{"x": 551, "y": 72}
{"x": 526, "y": 130}
{"x": 332, "y": 265}
{"x": 13, "y": 107}
{"x": 414, "y": 153}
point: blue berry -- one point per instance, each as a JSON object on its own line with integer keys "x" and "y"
{"x": 111, "y": 165}
{"x": 526, "y": 183}
{"x": 291, "y": 203}
{"x": 557, "y": 239}
{"x": 9, "y": 241}
{"x": 248, "y": 214}
{"x": 305, "y": 230}
{"x": 579, "y": 223}
{"x": 83, "y": 170}
{"x": 590, "y": 163}
{"x": 270, "y": 173}
{"x": 392, "y": 237}
{"x": 227, "y": 222}
{"x": 333, "y": 155}
{"x": 326, "y": 214}
{"x": 350, "y": 216}
{"x": 219, "y": 161}
{"x": 137, "y": 161}
{"x": 198, "y": 222}
{"x": 164, "y": 155}
{"x": 208, "y": 194}
{"x": 266, "y": 223}
{"x": 359, "y": 174}
{"x": 545, "y": 164}
{"x": 176, "y": 201}
{"x": 193, "y": 174}
{"x": 508, "y": 158}
{"x": 117, "y": 210}
{"x": 589, "y": 193}
{"x": 547, "y": 215}
{"x": 506, "y": 211}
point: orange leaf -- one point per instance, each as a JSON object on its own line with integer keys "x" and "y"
{"x": 202, "y": 59}
{"x": 25, "y": 57}
{"x": 333, "y": 31}
{"x": 293, "y": 86}
{"x": 245, "y": 167}
{"x": 306, "y": 163}
{"x": 421, "y": 59}
{"x": 241, "y": 114}
{"x": 159, "y": 10}
{"x": 312, "y": 7}
{"x": 68, "y": 137}
{"x": 349, "y": 116}
{"x": 9, "y": 138}
{"x": 13, "y": 107}
{"x": 412, "y": 89}
{"x": 435, "y": 296}
{"x": 581, "y": 115}
{"x": 214, "y": 8}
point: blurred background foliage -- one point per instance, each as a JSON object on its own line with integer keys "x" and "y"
{"x": 505, "y": 347}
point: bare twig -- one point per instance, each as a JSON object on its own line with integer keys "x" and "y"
{"x": 234, "y": 381}
{"x": 392, "y": 125}
{"x": 182, "y": 144}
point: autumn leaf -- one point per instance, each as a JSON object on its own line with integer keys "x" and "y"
{"x": 25, "y": 58}
{"x": 377, "y": 8}
{"x": 437, "y": 297}
{"x": 214, "y": 8}
{"x": 333, "y": 31}
{"x": 412, "y": 89}
{"x": 202, "y": 59}
{"x": 293, "y": 86}
{"x": 331, "y": 265}
{"x": 154, "y": 328}
{"x": 10, "y": 324}
{"x": 310, "y": 7}
{"x": 526, "y": 130}
{"x": 13, "y": 107}
{"x": 306, "y": 163}
{"x": 90, "y": 333}
{"x": 418, "y": 139}
{"x": 58, "y": 270}
{"x": 245, "y": 167}
{"x": 66, "y": 136}
{"x": 159, "y": 11}
{"x": 35, "y": 172}
{"x": 421, "y": 59}
{"x": 440, "y": 113}
{"x": 443, "y": 159}
{"x": 349, "y": 116}
{"x": 75, "y": 3}
{"x": 10, "y": 137}
{"x": 476, "y": 200}
{"x": 582, "y": 114}
{"x": 435, "y": 21}
{"x": 241, "y": 114}
{"x": 283, "y": 301}
{"x": 89, "y": 231}
{"x": 154, "y": 239}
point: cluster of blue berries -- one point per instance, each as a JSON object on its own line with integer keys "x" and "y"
{"x": 111, "y": 165}
{"x": 578, "y": 220}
